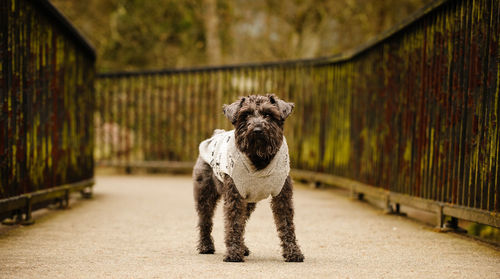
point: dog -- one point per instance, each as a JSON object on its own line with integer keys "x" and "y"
{"x": 244, "y": 166}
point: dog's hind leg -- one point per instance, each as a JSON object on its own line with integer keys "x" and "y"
{"x": 250, "y": 209}
{"x": 282, "y": 206}
{"x": 206, "y": 197}
{"x": 235, "y": 215}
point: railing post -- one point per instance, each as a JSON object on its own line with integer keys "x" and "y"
{"x": 440, "y": 217}
{"x": 28, "y": 218}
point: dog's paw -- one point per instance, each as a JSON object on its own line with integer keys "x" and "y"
{"x": 206, "y": 249}
{"x": 295, "y": 255}
{"x": 233, "y": 258}
{"x": 294, "y": 258}
{"x": 246, "y": 251}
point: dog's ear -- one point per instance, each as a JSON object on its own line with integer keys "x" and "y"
{"x": 284, "y": 107}
{"x": 231, "y": 110}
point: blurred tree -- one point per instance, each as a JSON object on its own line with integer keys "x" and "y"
{"x": 137, "y": 34}
{"x": 274, "y": 29}
{"x": 212, "y": 38}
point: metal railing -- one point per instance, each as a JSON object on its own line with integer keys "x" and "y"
{"x": 46, "y": 92}
{"x": 411, "y": 117}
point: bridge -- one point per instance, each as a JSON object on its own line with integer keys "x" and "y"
{"x": 407, "y": 122}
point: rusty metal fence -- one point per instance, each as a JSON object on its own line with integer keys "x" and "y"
{"x": 46, "y": 91}
{"x": 411, "y": 117}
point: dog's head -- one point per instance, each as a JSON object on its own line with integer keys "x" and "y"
{"x": 258, "y": 121}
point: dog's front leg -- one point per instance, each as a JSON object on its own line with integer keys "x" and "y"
{"x": 234, "y": 212}
{"x": 250, "y": 208}
{"x": 282, "y": 207}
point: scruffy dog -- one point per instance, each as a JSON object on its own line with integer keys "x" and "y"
{"x": 244, "y": 166}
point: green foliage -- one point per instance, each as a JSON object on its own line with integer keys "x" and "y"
{"x": 136, "y": 34}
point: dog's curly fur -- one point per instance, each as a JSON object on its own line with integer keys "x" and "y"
{"x": 258, "y": 122}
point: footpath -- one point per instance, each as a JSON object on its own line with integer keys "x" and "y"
{"x": 145, "y": 227}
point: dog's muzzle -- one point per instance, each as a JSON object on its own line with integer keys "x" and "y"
{"x": 258, "y": 130}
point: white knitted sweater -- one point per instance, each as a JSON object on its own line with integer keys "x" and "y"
{"x": 221, "y": 153}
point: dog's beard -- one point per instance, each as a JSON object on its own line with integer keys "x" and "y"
{"x": 261, "y": 145}
{"x": 260, "y": 148}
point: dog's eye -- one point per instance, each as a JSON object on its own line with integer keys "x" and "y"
{"x": 245, "y": 115}
{"x": 269, "y": 115}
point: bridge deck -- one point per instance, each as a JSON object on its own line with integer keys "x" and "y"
{"x": 144, "y": 227}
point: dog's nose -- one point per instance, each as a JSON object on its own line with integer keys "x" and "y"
{"x": 257, "y": 130}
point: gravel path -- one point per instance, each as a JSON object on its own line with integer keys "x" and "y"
{"x": 144, "y": 227}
